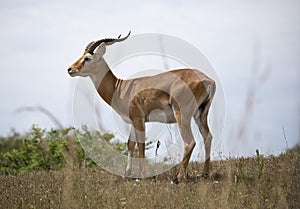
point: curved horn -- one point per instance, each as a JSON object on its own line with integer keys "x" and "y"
{"x": 108, "y": 41}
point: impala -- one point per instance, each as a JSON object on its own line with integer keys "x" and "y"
{"x": 175, "y": 96}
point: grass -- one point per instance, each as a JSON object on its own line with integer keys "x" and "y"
{"x": 234, "y": 183}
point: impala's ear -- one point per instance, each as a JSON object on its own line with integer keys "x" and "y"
{"x": 100, "y": 51}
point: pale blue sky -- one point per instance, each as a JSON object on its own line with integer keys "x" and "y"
{"x": 39, "y": 40}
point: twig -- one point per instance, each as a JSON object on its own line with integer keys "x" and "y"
{"x": 157, "y": 146}
{"x": 284, "y": 136}
{"x": 42, "y": 110}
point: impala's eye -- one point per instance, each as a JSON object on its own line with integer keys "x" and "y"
{"x": 88, "y": 58}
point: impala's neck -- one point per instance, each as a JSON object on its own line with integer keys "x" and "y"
{"x": 104, "y": 81}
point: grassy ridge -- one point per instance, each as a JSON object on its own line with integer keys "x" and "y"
{"x": 234, "y": 183}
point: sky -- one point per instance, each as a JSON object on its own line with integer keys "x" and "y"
{"x": 253, "y": 46}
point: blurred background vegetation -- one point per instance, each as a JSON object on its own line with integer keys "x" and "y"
{"x": 40, "y": 149}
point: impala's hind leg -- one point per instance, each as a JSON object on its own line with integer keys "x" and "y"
{"x": 201, "y": 120}
{"x": 184, "y": 125}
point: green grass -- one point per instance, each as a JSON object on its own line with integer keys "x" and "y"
{"x": 234, "y": 183}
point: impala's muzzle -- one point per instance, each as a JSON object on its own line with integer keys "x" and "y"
{"x": 73, "y": 72}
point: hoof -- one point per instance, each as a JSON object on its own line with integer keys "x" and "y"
{"x": 205, "y": 175}
{"x": 175, "y": 181}
{"x": 127, "y": 174}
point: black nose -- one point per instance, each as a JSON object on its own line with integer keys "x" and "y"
{"x": 69, "y": 70}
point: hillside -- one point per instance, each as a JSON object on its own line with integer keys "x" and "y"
{"x": 257, "y": 182}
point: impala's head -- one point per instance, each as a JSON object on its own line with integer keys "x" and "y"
{"x": 92, "y": 55}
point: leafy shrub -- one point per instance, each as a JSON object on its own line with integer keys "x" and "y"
{"x": 48, "y": 150}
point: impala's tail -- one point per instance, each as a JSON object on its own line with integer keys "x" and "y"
{"x": 211, "y": 90}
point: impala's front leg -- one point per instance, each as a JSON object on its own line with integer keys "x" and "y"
{"x": 140, "y": 136}
{"x": 130, "y": 145}
{"x": 137, "y": 135}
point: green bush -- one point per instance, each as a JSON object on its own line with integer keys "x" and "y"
{"x": 47, "y": 150}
